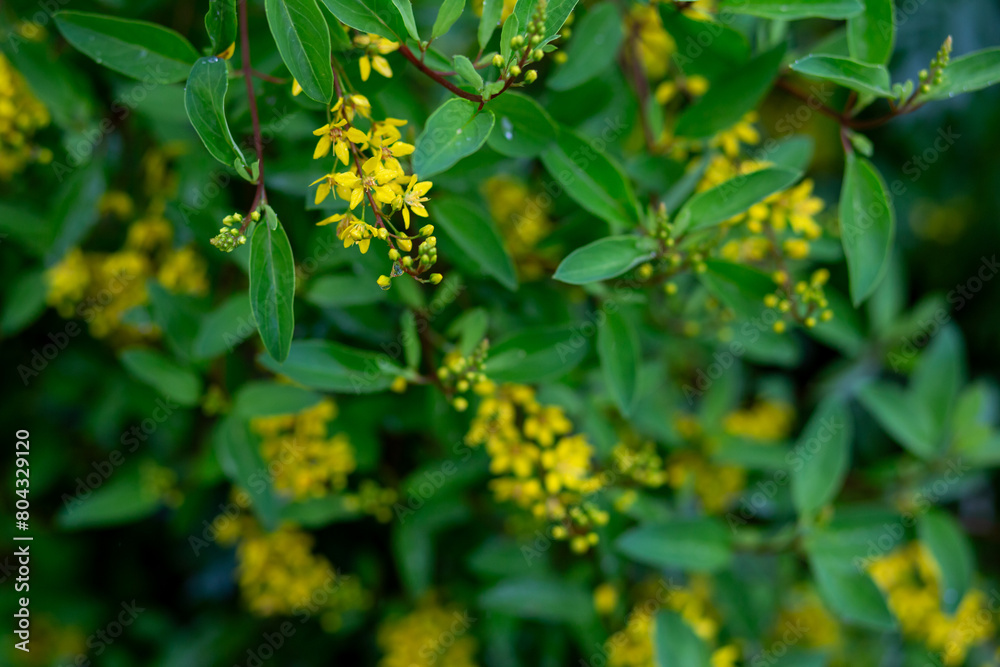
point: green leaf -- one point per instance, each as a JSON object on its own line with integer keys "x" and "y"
{"x": 872, "y": 33}
{"x": 731, "y": 96}
{"x": 602, "y": 259}
{"x": 380, "y": 17}
{"x": 24, "y": 301}
{"x": 303, "y": 38}
{"x": 968, "y": 73}
{"x": 556, "y": 13}
{"x": 123, "y": 498}
{"x": 492, "y": 11}
{"x": 867, "y": 226}
{"x": 239, "y": 456}
{"x": 447, "y": 15}
{"x": 162, "y": 374}
{"x": 410, "y": 338}
{"x": 791, "y": 10}
{"x": 272, "y": 289}
{"x": 851, "y": 594}
{"x": 329, "y": 366}
{"x": 699, "y": 545}
{"x": 507, "y": 33}
{"x": 138, "y": 49}
{"x": 220, "y": 24}
{"x": 205, "y": 103}
{"x": 950, "y": 547}
{"x": 858, "y": 76}
{"x": 465, "y": 69}
{"x": 901, "y": 418}
{"x": 268, "y": 398}
{"x": 619, "y": 354}
{"x": 456, "y": 129}
{"x": 591, "y": 179}
{"x": 736, "y": 195}
{"x": 523, "y": 127}
{"x": 224, "y": 328}
{"x": 546, "y": 599}
{"x": 537, "y": 354}
{"x": 594, "y": 48}
{"x": 937, "y": 378}
{"x": 675, "y": 643}
{"x": 795, "y": 152}
{"x": 718, "y": 48}
{"x": 405, "y": 8}
{"x": 476, "y": 235}
{"x": 74, "y": 211}
{"x": 824, "y": 451}
{"x": 339, "y": 291}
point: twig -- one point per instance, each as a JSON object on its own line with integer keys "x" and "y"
{"x": 261, "y": 194}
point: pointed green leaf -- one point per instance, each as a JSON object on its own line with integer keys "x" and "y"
{"x": 858, "y": 76}
{"x": 950, "y": 547}
{"x": 205, "y": 103}
{"x": 455, "y": 130}
{"x": 872, "y": 33}
{"x": 734, "y": 196}
{"x": 303, "y": 39}
{"x": 867, "y": 226}
{"x": 968, "y": 73}
{"x": 850, "y": 593}
{"x": 594, "y": 48}
{"x": 380, "y": 17}
{"x": 824, "y": 451}
{"x": 618, "y": 351}
{"x": 405, "y": 8}
{"x": 476, "y": 235}
{"x": 603, "y": 259}
{"x": 492, "y": 11}
{"x": 448, "y": 13}
{"x": 272, "y": 289}
{"x": 465, "y": 69}
{"x": 790, "y": 10}
{"x": 592, "y": 179}
{"x": 675, "y": 643}
{"x": 731, "y": 96}
{"x": 537, "y": 354}
{"x": 699, "y": 545}
{"x": 523, "y": 127}
{"x": 138, "y": 49}
{"x": 220, "y": 24}
{"x": 162, "y": 374}
{"x": 328, "y": 366}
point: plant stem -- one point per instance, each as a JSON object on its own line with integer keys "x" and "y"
{"x": 260, "y": 197}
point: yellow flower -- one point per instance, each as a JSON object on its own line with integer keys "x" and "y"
{"x": 373, "y": 180}
{"x": 333, "y": 134}
{"x": 184, "y": 272}
{"x": 347, "y": 107}
{"x": 350, "y": 230}
{"x": 375, "y": 48}
{"x": 386, "y": 147}
{"x": 743, "y": 131}
{"x": 605, "y": 599}
{"x": 67, "y": 282}
{"x": 765, "y": 421}
{"x": 413, "y": 199}
{"x": 431, "y": 634}
{"x": 296, "y": 88}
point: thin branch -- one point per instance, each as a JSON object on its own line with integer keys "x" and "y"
{"x": 438, "y": 76}
{"x": 261, "y": 195}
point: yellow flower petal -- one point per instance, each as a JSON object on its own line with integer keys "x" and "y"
{"x": 366, "y": 68}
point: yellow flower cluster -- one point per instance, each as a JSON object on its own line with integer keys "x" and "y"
{"x": 802, "y": 301}
{"x": 375, "y": 49}
{"x": 640, "y": 463}
{"x": 804, "y": 609}
{"x": 372, "y": 499}
{"x": 910, "y": 578}
{"x": 765, "y": 421}
{"x": 101, "y": 287}
{"x": 431, "y": 634}
{"x": 523, "y": 223}
{"x": 374, "y": 178}
{"x": 633, "y": 645}
{"x": 540, "y": 466}
{"x": 21, "y": 116}
{"x": 280, "y": 576}
{"x": 309, "y": 463}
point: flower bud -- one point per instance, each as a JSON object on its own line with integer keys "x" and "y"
{"x": 406, "y": 245}
{"x": 530, "y": 76}
{"x": 255, "y": 216}
{"x": 498, "y": 60}
{"x": 436, "y": 278}
{"x": 427, "y": 230}
{"x": 515, "y": 71}
{"x": 384, "y": 281}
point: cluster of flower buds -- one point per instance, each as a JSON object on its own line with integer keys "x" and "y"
{"x": 809, "y": 298}
{"x": 577, "y": 526}
{"x": 232, "y": 235}
{"x": 934, "y": 76}
{"x": 404, "y": 263}
{"x": 525, "y": 48}
{"x": 459, "y": 374}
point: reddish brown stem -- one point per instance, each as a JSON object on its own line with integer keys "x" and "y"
{"x": 260, "y": 196}
{"x": 438, "y": 76}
